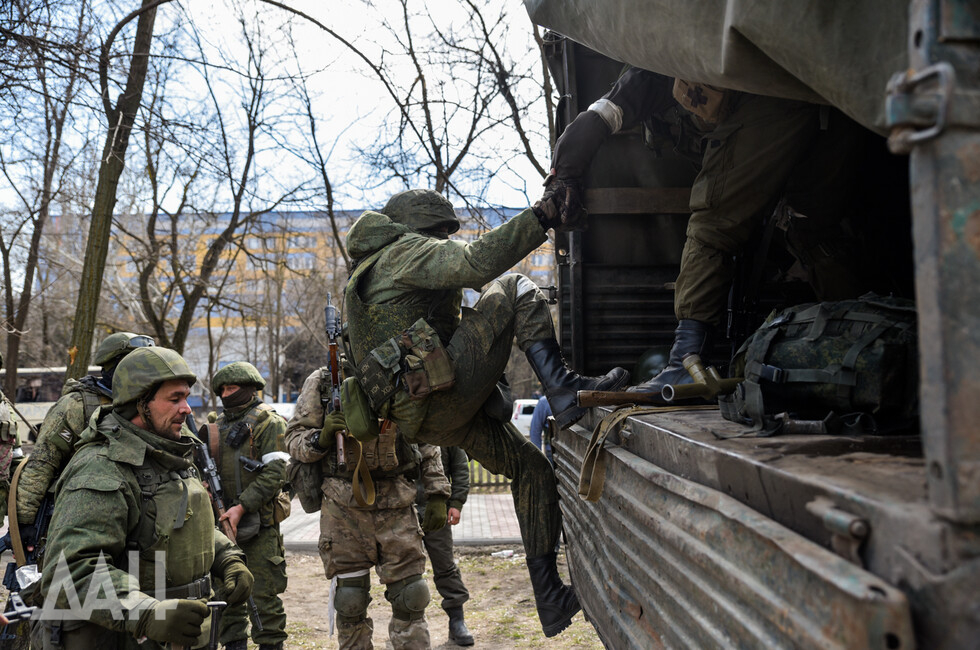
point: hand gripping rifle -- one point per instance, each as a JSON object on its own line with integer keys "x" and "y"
{"x": 331, "y": 402}
{"x": 212, "y": 481}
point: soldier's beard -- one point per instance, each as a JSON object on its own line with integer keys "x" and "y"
{"x": 153, "y": 427}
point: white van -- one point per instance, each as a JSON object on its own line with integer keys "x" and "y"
{"x": 521, "y": 416}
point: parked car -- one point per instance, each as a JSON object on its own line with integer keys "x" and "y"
{"x": 521, "y": 416}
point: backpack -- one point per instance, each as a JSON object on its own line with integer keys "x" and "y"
{"x": 305, "y": 479}
{"x": 834, "y": 367}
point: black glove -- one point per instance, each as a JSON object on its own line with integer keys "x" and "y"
{"x": 578, "y": 145}
{"x": 560, "y": 207}
{"x": 173, "y": 621}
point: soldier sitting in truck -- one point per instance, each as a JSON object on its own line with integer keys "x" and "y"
{"x": 752, "y": 151}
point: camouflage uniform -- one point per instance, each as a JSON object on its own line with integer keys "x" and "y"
{"x": 129, "y": 493}
{"x": 66, "y": 420}
{"x": 56, "y": 441}
{"x": 385, "y": 535}
{"x": 256, "y": 492}
{"x": 407, "y": 269}
{"x": 424, "y": 277}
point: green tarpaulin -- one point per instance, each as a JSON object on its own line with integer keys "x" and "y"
{"x": 841, "y": 52}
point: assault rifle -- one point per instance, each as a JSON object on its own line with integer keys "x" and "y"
{"x": 212, "y": 481}
{"x": 331, "y": 402}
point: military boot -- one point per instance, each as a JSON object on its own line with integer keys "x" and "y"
{"x": 556, "y": 602}
{"x": 271, "y": 646}
{"x": 458, "y": 633}
{"x": 690, "y": 337}
{"x": 237, "y": 644}
{"x": 561, "y": 384}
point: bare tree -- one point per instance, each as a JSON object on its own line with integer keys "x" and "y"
{"x": 36, "y": 100}
{"x": 120, "y": 119}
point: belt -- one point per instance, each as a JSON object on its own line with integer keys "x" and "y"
{"x": 200, "y": 588}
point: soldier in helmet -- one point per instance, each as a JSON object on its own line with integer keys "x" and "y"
{"x": 251, "y": 458}
{"x": 66, "y": 420}
{"x": 406, "y": 270}
{"x": 385, "y": 534}
{"x": 133, "y": 524}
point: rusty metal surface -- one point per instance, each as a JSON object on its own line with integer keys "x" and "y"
{"x": 662, "y": 561}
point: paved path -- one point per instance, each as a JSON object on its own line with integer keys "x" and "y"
{"x": 488, "y": 519}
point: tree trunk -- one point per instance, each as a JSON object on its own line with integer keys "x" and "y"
{"x": 121, "y": 120}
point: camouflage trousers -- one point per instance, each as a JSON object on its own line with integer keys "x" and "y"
{"x": 769, "y": 149}
{"x": 480, "y": 347}
{"x": 385, "y": 536}
{"x": 266, "y": 559}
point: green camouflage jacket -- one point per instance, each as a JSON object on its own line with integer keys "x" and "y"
{"x": 102, "y": 513}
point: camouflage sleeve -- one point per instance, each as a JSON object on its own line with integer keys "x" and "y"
{"x": 225, "y": 553}
{"x": 306, "y": 423}
{"x": 416, "y": 262}
{"x": 95, "y": 509}
{"x": 270, "y": 448}
{"x": 457, "y": 466}
{"x": 55, "y": 444}
{"x": 433, "y": 478}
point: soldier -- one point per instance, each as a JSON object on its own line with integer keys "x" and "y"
{"x": 407, "y": 269}
{"x": 752, "y": 152}
{"x": 132, "y": 537}
{"x": 66, "y": 420}
{"x": 384, "y": 535}
{"x": 439, "y": 543}
{"x": 8, "y": 440}
{"x": 249, "y": 430}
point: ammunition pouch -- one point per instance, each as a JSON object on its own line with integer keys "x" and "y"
{"x": 282, "y": 507}
{"x": 304, "y": 481}
{"x": 248, "y": 527}
{"x": 238, "y": 434}
{"x": 416, "y": 357}
{"x": 362, "y": 421}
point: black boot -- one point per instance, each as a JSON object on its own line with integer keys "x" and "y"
{"x": 556, "y": 601}
{"x": 690, "y": 337}
{"x": 237, "y": 644}
{"x": 561, "y": 384}
{"x": 458, "y": 633}
{"x": 271, "y": 646}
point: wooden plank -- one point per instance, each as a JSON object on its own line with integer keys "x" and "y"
{"x": 638, "y": 200}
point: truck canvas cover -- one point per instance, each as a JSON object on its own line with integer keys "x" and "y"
{"x": 839, "y": 52}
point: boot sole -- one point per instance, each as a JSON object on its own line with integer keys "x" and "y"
{"x": 568, "y": 417}
{"x": 558, "y": 627}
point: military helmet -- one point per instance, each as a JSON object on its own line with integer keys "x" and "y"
{"x": 421, "y": 210}
{"x": 143, "y": 370}
{"x": 239, "y": 373}
{"x": 118, "y": 345}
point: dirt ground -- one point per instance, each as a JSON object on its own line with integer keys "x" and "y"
{"x": 499, "y": 614}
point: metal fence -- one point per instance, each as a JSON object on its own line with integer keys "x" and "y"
{"x": 481, "y": 479}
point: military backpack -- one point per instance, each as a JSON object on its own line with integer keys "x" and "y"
{"x": 843, "y": 367}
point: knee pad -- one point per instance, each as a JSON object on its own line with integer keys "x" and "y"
{"x": 351, "y": 598}
{"x": 408, "y": 598}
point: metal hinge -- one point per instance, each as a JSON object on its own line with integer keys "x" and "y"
{"x": 847, "y": 531}
{"x": 915, "y": 116}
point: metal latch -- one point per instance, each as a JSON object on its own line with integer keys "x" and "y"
{"x": 916, "y": 116}
{"x": 847, "y": 531}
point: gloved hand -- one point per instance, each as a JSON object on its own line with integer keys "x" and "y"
{"x": 435, "y": 514}
{"x": 332, "y": 423}
{"x": 561, "y": 207}
{"x": 173, "y": 621}
{"x": 237, "y": 582}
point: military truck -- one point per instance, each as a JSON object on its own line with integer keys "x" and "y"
{"x": 809, "y": 541}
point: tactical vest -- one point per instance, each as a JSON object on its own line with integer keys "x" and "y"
{"x": 230, "y": 463}
{"x": 92, "y": 394}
